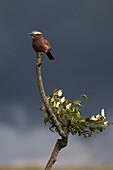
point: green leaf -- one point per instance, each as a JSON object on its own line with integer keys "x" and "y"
{"x": 58, "y": 117}
{"x": 96, "y": 124}
{"x": 68, "y": 122}
{"x": 54, "y": 109}
{"x": 84, "y": 96}
{"x": 101, "y": 129}
{"x": 87, "y": 119}
{"x": 77, "y": 127}
{"x": 94, "y": 127}
{"x": 73, "y": 119}
{"x": 71, "y": 111}
{"x": 86, "y": 136}
{"x": 82, "y": 123}
{"x": 81, "y": 118}
{"x": 49, "y": 96}
{"x": 77, "y": 102}
{"x": 75, "y": 110}
{"x": 110, "y": 124}
{"x": 67, "y": 101}
{"x": 78, "y": 114}
{"x": 56, "y": 90}
{"x": 41, "y": 110}
{"x": 72, "y": 132}
{"x": 46, "y": 119}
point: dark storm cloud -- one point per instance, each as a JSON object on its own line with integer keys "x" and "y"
{"x": 80, "y": 33}
{"x": 18, "y": 115}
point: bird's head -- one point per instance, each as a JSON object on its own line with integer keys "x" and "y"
{"x": 35, "y": 34}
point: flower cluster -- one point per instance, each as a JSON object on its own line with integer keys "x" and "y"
{"x": 100, "y": 117}
{"x": 69, "y": 116}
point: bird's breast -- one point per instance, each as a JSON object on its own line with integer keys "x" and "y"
{"x": 39, "y": 46}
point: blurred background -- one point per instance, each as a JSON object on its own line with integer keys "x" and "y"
{"x": 81, "y": 35}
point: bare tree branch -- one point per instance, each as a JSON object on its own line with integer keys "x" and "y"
{"x": 44, "y": 98}
{"x": 61, "y": 143}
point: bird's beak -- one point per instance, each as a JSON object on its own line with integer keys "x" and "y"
{"x": 31, "y": 34}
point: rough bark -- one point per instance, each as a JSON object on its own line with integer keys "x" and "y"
{"x": 61, "y": 143}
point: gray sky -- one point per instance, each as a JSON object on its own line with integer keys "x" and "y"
{"x": 81, "y": 35}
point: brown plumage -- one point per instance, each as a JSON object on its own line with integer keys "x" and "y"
{"x": 40, "y": 44}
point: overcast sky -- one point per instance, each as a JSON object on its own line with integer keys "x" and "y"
{"x": 81, "y": 35}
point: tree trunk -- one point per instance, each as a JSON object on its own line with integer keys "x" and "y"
{"x": 61, "y": 143}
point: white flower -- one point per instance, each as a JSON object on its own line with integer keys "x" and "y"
{"x": 62, "y": 99}
{"x": 103, "y": 113}
{"x": 54, "y": 104}
{"x": 105, "y": 123}
{"x": 68, "y": 106}
{"x": 93, "y": 118}
{"x": 52, "y": 99}
{"x": 60, "y": 93}
{"x": 97, "y": 116}
{"x": 58, "y": 103}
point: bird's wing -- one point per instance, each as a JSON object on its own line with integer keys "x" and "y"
{"x": 38, "y": 45}
{"x": 47, "y": 43}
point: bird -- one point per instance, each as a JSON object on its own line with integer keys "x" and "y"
{"x": 40, "y": 44}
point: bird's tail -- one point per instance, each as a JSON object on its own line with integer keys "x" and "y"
{"x": 50, "y": 55}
